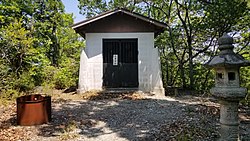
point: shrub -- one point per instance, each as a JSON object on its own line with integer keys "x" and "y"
{"x": 61, "y": 77}
{"x": 25, "y": 82}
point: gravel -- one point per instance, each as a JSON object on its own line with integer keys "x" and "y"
{"x": 150, "y": 118}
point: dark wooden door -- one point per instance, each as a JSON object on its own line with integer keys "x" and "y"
{"x": 120, "y": 63}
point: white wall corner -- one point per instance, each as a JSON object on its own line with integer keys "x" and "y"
{"x": 157, "y": 84}
{"x": 82, "y": 85}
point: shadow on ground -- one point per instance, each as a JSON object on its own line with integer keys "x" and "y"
{"x": 126, "y": 119}
{"x": 127, "y": 116}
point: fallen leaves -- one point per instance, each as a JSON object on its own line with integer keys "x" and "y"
{"x": 9, "y": 131}
{"x": 88, "y": 123}
{"x": 106, "y": 95}
{"x": 200, "y": 122}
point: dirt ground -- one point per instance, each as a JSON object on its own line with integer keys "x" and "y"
{"x": 123, "y": 117}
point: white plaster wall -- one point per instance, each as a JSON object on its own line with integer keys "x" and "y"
{"x": 83, "y": 73}
{"x": 148, "y": 61}
{"x": 157, "y": 84}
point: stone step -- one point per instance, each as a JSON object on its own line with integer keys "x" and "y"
{"x": 119, "y": 90}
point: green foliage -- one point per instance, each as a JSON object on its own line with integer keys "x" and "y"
{"x": 61, "y": 77}
{"x": 204, "y": 78}
{"x": 8, "y": 11}
{"x": 97, "y": 6}
{"x": 243, "y": 48}
{"x": 17, "y": 56}
{"x": 38, "y": 46}
{"x": 222, "y": 15}
{"x": 64, "y": 78}
{"x": 191, "y": 36}
{"x": 48, "y": 74}
{"x": 91, "y": 8}
{"x": 245, "y": 79}
{"x": 16, "y": 47}
{"x": 9, "y": 94}
{"x": 25, "y": 82}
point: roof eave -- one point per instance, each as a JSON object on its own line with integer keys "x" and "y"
{"x": 85, "y": 22}
{"x": 108, "y": 13}
{"x": 159, "y": 24}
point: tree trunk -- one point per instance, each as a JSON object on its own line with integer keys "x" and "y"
{"x": 182, "y": 71}
{"x": 167, "y": 73}
{"x": 191, "y": 66}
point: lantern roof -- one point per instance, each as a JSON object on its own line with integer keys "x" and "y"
{"x": 227, "y": 57}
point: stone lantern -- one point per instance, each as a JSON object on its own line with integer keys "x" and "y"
{"x": 227, "y": 86}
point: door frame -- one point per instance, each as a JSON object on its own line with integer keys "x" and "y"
{"x": 105, "y": 65}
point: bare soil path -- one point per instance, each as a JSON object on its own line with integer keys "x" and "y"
{"x": 123, "y": 118}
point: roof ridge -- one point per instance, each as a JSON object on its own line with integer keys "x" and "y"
{"x": 126, "y": 11}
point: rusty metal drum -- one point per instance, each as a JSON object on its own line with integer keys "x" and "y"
{"x": 33, "y": 110}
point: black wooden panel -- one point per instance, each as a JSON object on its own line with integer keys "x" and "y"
{"x": 125, "y": 73}
{"x": 129, "y": 51}
{"x": 111, "y": 76}
{"x": 129, "y": 75}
